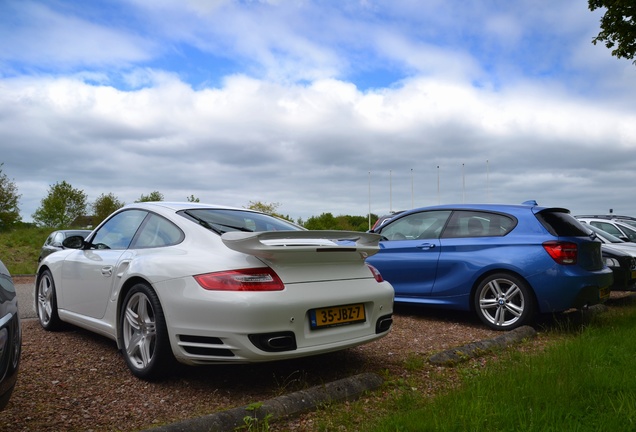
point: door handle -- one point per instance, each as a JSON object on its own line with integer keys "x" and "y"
{"x": 426, "y": 246}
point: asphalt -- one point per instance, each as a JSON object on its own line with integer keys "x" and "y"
{"x": 26, "y": 296}
{"x": 349, "y": 388}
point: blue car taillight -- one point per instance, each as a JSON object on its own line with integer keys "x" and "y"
{"x": 564, "y": 253}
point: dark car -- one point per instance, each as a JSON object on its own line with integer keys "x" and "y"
{"x": 504, "y": 262}
{"x": 620, "y": 256}
{"x": 623, "y": 266}
{"x": 10, "y": 336}
{"x": 54, "y": 241}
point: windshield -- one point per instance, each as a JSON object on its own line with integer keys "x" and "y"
{"x": 607, "y": 236}
{"x": 221, "y": 221}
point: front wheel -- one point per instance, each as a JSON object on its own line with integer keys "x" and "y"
{"x": 47, "y": 302}
{"x": 144, "y": 335}
{"x": 504, "y": 302}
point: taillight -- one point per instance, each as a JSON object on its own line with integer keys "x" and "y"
{"x": 251, "y": 279}
{"x": 376, "y": 274}
{"x": 562, "y": 252}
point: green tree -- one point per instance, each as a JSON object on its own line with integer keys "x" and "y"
{"x": 9, "y": 197}
{"x": 618, "y": 26}
{"x": 61, "y": 206}
{"x": 192, "y": 198}
{"x": 268, "y": 208}
{"x": 325, "y": 221}
{"x": 153, "y": 196}
{"x": 103, "y": 206}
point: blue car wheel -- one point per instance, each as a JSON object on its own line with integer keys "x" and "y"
{"x": 504, "y": 302}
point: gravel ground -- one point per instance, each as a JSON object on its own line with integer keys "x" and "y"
{"x": 76, "y": 380}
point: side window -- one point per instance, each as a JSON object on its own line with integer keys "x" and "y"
{"x": 49, "y": 239}
{"x": 607, "y": 227}
{"x": 424, "y": 225}
{"x": 478, "y": 224}
{"x": 119, "y": 230}
{"x": 58, "y": 239}
{"x": 630, "y": 233}
{"x": 157, "y": 232}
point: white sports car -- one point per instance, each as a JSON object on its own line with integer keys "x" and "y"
{"x": 210, "y": 284}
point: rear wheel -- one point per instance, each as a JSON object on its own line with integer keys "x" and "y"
{"x": 144, "y": 335}
{"x": 47, "y": 302}
{"x": 504, "y": 302}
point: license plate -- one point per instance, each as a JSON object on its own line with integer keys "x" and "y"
{"x": 336, "y": 316}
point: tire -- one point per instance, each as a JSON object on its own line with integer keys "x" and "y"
{"x": 46, "y": 297}
{"x": 144, "y": 335}
{"x": 504, "y": 302}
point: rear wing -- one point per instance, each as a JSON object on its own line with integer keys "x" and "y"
{"x": 304, "y": 245}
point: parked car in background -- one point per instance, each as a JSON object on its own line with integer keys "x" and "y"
{"x": 10, "y": 336}
{"x": 384, "y": 219}
{"x": 629, "y": 220}
{"x": 206, "y": 284}
{"x": 615, "y": 227}
{"x": 53, "y": 242}
{"x": 504, "y": 262}
{"x": 620, "y": 256}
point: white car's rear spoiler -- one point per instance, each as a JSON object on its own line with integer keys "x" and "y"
{"x": 296, "y": 245}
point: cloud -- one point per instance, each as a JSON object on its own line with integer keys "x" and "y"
{"x": 322, "y": 107}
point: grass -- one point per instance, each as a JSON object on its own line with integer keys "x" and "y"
{"x": 585, "y": 383}
{"x": 575, "y": 376}
{"x": 20, "y": 248}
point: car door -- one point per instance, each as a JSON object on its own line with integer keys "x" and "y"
{"x": 90, "y": 275}
{"x": 467, "y": 245}
{"x": 410, "y": 251}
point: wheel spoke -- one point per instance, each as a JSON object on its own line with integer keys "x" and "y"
{"x": 488, "y": 303}
{"x": 132, "y": 319}
{"x": 494, "y": 287}
{"x": 500, "y": 316}
{"x": 514, "y": 309}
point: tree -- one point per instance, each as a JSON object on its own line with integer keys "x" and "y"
{"x": 9, "y": 197}
{"x": 103, "y": 206}
{"x": 192, "y": 198}
{"x": 325, "y": 221}
{"x": 268, "y": 208}
{"x": 618, "y": 26}
{"x": 61, "y": 206}
{"x": 153, "y": 196}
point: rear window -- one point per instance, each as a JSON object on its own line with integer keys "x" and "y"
{"x": 561, "y": 224}
{"x": 222, "y": 220}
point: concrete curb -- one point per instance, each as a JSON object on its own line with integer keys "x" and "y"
{"x": 454, "y": 356}
{"x": 279, "y": 407}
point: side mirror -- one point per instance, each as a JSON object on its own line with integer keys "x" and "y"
{"x": 73, "y": 242}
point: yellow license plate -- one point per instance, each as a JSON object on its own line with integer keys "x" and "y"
{"x": 336, "y": 316}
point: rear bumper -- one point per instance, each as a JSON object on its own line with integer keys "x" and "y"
{"x": 572, "y": 288}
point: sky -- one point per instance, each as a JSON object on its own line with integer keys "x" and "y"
{"x": 344, "y": 107}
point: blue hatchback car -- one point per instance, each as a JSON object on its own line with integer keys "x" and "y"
{"x": 504, "y": 262}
